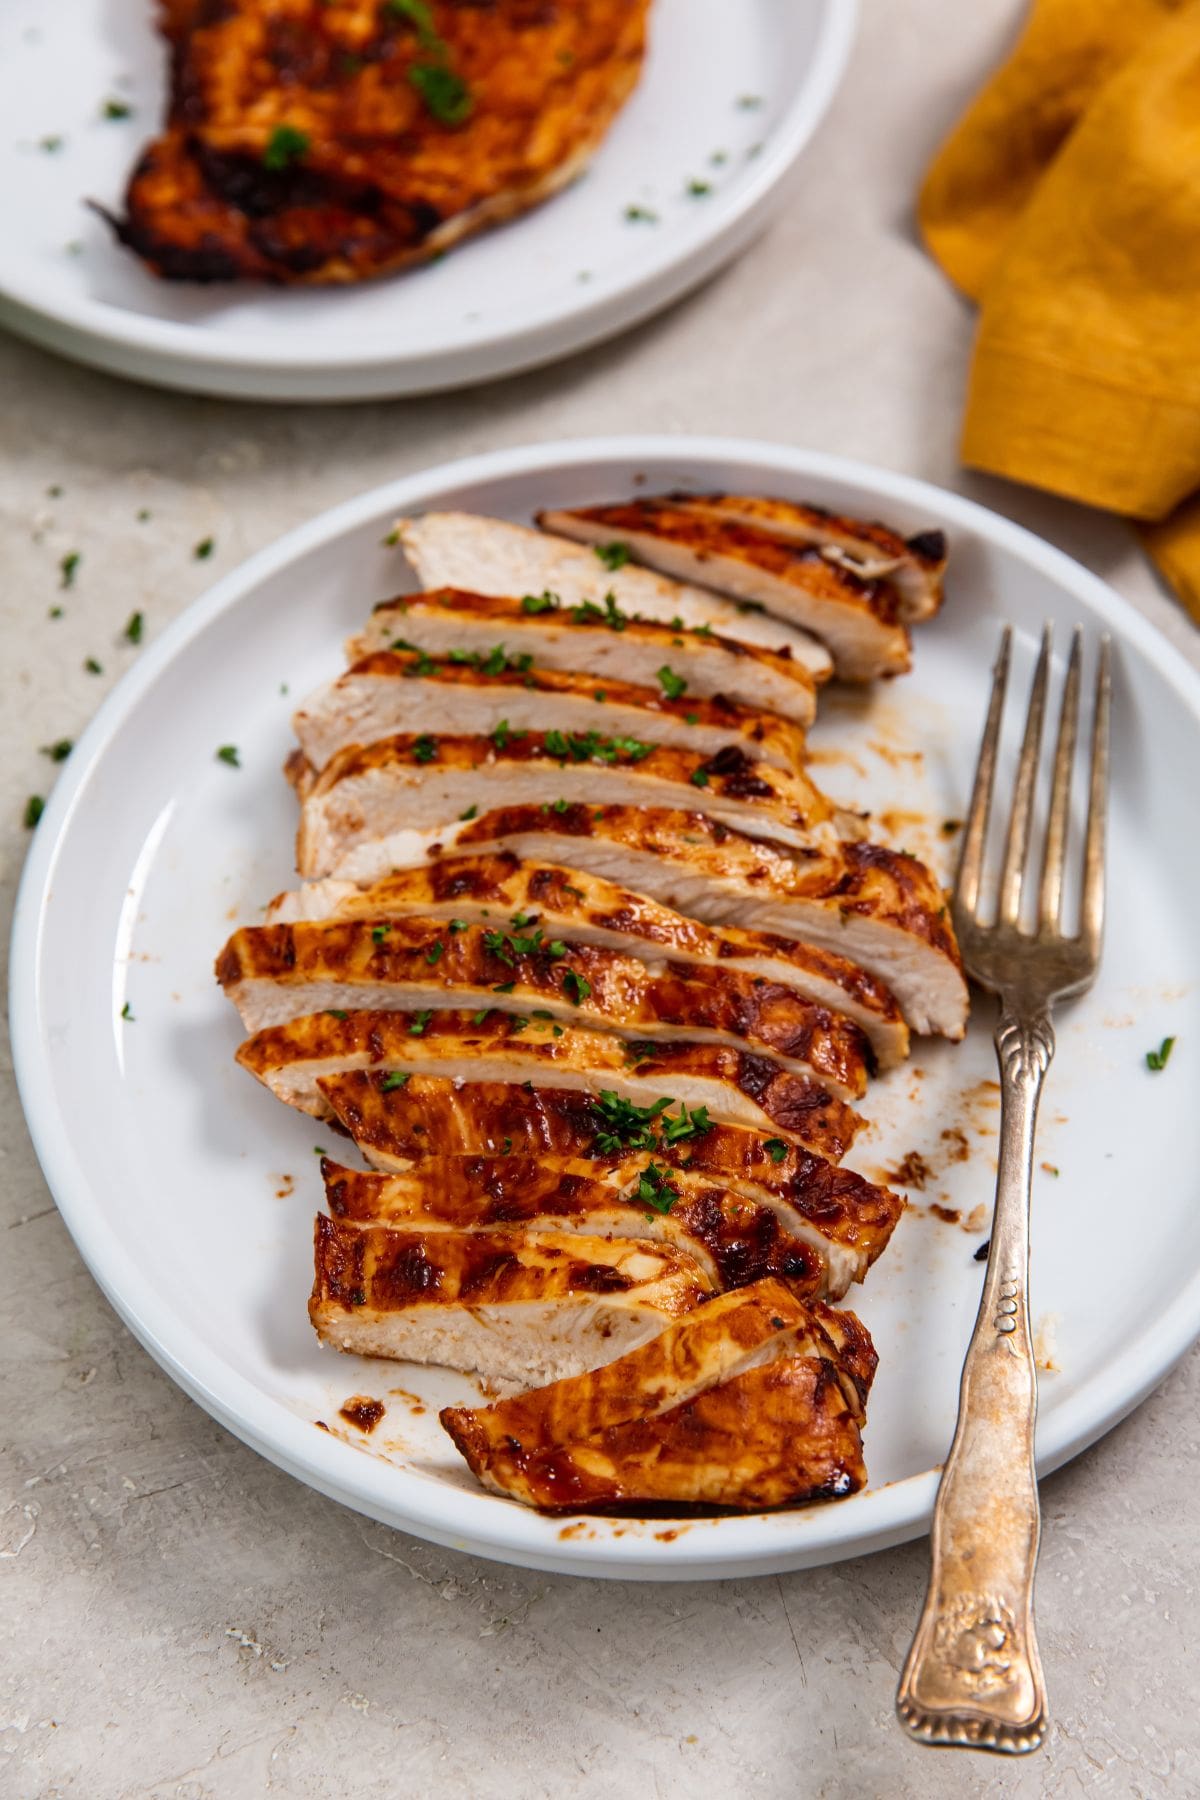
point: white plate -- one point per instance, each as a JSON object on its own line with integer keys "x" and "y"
{"x": 165, "y": 1158}
{"x": 569, "y": 274}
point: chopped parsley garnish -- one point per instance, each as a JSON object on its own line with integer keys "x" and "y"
{"x": 55, "y": 612}
{"x": 688, "y": 1124}
{"x": 333, "y": 1012}
{"x": 35, "y": 806}
{"x": 654, "y": 1189}
{"x": 420, "y": 1021}
{"x": 204, "y": 549}
{"x": 504, "y": 987}
{"x": 446, "y": 95}
{"x": 749, "y": 102}
{"x": 458, "y": 924}
{"x": 133, "y": 627}
{"x": 395, "y": 1078}
{"x": 503, "y": 735}
{"x": 67, "y": 567}
{"x": 576, "y": 987}
{"x": 92, "y": 666}
{"x": 420, "y": 18}
{"x": 116, "y": 109}
{"x": 699, "y": 190}
{"x": 624, "y": 1126}
{"x": 699, "y": 778}
{"x": 614, "y": 556}
{"x": 435, "y": 952}
{"x": 641, "y": 215}
{"x": 286, "y": 145}
{"x": 506, "y": 1147}
{"x": 228, "y": 754}
{"x": 673, "y": 686}
{"x": 379, "y": 932}
{"x": 610, "y": 614}
{"x": 127, "y": 1014}
{"x": 560, "y": 806}
{"x": 50, "y": 144}
{"x": 540, "y": 603}
{"x": 143, "y": 514}
{"x": 1158, "y": 1059}
{"x": 589, "y": 746}
{"x": 392, "y": 539}
{"x": 479, "y": 1017}
{"x": 59, "y": 751}
{"x": 470, "y": 813}
{"x": 425, "y": 748}
{"x": 776, "y": 1149}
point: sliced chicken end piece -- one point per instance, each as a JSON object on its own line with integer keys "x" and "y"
{"x": 529, "y": 1147}
{"x": 879, "y": 906}
{"x": 491, "y": 556}
{"x": 513, "y": 1307}
{"x": 729, "y": 1086}
{"x": 913, "y": 565}
{"x": 749, "y": 1407}
{"x": 857, "y": 619}
{"x": 599, "y": 640}
{"x": 733, "y": 1239}
{"x": 273, "y": 973}
{"x": 420, "y": 783}
{"x": 401, "y": 691}
{"x": 592, "y": 910}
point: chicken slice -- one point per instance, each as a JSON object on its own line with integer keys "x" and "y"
{"x": 593, "y": 910}
{"x": 728, "y": 1085}
{"x": 490, "y": 556}
{"x": 402, "y": 691}
{"x": 495, "y": 1131}
{"x": 273, "y": 973}
{"x": 421, "y": 783}
{"x": 752, "y": 1400}
{"x": 879, "y": 906}
{"x": 601, "y": 640}
{"x": 914, "y": 566}
{"x": 515, "y": 1307}
{"x": 857, "y": 619}
{"x": 736, "y": 1234}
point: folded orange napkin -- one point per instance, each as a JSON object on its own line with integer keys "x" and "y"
{"x": 1067, "y": 203}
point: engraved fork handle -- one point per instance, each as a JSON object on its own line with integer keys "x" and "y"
{"x": 974, "y": 1675}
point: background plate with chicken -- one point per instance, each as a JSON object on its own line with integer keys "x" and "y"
{"x": 190, "y": 1190}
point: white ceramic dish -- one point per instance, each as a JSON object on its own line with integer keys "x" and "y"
{"x": 166, "y": 1160}
{"x": 568, "y": 275}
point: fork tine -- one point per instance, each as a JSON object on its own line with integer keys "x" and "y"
{"x": 1050, "y": 901}
{"x": 970, "y": 860}
{"x": 1091, "y": 927}
{"x": 1016, "y": 848}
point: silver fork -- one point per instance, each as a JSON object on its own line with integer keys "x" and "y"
{"x": 974, "y": 1675}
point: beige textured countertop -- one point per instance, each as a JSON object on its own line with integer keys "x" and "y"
{"x": 178, "y": 1619}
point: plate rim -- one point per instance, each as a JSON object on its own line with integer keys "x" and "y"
{"x": 476, "y": 1522}
{"x": 181, "y": 350}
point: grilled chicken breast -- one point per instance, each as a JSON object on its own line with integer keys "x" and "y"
{"x": 399, "y": 691}
{"x": 421, "y": 783}
{"x": 858, "y": 619}
{"x": 737, "y": 1234}
{"x": 732, "y": 1086}
{"x": 273, "y": 973}
{"x": 595, "y": 639}
{"x": 514, "y": 1307}
{"x": 879, "y": 906}
{"x": 318, "y": 143}
{"x": 490, "y": 556}
{"x": 913, "y": 566}
{"x": 752, "y": 1400}
{"x": 591, "y": 910}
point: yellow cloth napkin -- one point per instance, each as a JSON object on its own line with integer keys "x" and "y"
{"x": 1067, "y": 203}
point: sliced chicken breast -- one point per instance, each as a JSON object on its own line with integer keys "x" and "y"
{"x": 914, "y": 565}
{"x": 735, "y": 1236}
{"x": 728, "y": 1085}
{"x": 422, "y": 783}
{"x": 598, "y": 639}
{"x": 857, "y": 619}
{"x": 749, "y": 1401}
{"x": 514, "y": 1307}
{"x": 591, "y": 910}
{"x": 490, "y": 556}
{"x": 401, "y": 691}
{"x": 277, "y": 972}
{"x": 879, "y": 906}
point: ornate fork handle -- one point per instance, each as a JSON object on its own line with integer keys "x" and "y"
{"x": 974, "y": 1675}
